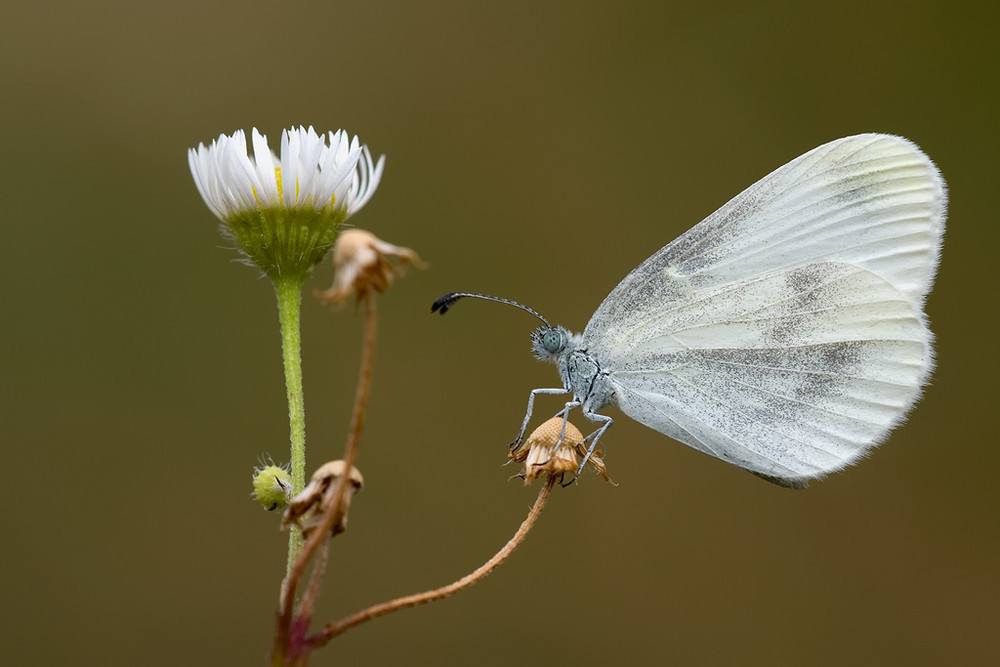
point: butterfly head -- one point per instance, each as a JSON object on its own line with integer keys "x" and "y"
{"x": 548, "y": 343}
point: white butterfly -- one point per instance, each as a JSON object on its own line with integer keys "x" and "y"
{"x": 785, "y": 333}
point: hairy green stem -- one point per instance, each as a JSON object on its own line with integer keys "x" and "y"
{"x": 289, "y": 293}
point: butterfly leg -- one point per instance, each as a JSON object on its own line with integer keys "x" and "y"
{"x": 531, "y": 406}
{"x": 564, "y": 413}
{"x": 606, "y": 422}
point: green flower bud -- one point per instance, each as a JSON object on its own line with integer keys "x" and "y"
{"x": 272, "y": 486}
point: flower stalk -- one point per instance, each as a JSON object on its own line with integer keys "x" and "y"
{"x": 335, "y": 628}
{"x": 288, "y": 291}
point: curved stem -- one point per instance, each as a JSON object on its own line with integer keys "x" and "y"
{"x": 331, "y": 630}
{"x": 288, "y": 291}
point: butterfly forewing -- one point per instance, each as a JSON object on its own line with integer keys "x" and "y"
{"x": 874, "y": 201}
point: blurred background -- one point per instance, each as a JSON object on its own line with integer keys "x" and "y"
{"x": 537, "y": 151}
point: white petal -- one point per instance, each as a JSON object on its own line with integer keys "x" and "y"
{"x": 373, "y": 176}
{"x": 290, "y": 167}
{"x": 264, "y": 159}
{"x": 338, "y": 183}
{"x": 312, "y": 152}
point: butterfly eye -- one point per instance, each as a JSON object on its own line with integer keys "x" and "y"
{"x": 552, "y": 340}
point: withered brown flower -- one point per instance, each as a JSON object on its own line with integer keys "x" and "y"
{"x": 364, "y": 262}
{"x": 306, "y": 509}
{"x": 543, "y": 454}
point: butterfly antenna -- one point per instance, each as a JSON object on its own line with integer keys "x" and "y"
{"x": 448, "y": 300}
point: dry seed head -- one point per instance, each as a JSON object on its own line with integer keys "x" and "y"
{"x": 306, "y": 509}
{"x": 543, "y": 454}
{"x": 363, "y": 262}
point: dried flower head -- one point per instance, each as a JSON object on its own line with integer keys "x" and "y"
{"x": 365, "y": 262}
{"x": 543, "y": 454}
{"x": 272, "y": 486}
{"x": 306, "y": 509}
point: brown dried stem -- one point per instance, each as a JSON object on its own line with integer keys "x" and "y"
{"x": 335, "y": 628}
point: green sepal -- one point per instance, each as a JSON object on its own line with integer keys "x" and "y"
{"x": 284, "y": 242}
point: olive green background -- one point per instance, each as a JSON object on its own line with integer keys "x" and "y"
{"x": 537, "y": 151}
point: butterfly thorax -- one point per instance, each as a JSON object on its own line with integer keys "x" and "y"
{"x": 579, "y": 370}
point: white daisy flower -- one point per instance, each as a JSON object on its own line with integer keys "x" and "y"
{"x": 285, "y": 211}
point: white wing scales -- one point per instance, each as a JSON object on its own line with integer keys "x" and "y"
{"x": 785, "y": 333}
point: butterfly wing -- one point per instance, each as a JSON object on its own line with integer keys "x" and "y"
{"x": 785, "y": 332}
